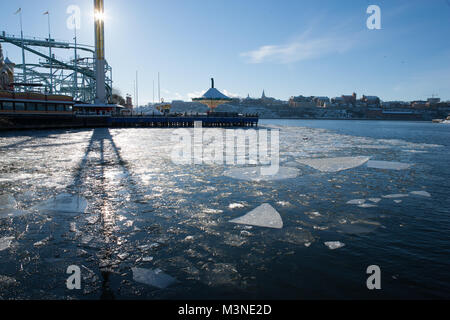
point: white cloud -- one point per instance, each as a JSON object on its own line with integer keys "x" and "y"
{"x": 302, "y": 48}
{"x": 195, "y": 94}
{"x": 230, "y": 94}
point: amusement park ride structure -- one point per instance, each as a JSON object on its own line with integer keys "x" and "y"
{"x": 75, "y": 77}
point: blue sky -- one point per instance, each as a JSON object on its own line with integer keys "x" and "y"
{"x": 285, "y": 47}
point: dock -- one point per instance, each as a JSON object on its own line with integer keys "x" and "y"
{"x": 181, "y": 121}
{"x": 15, "y": 121}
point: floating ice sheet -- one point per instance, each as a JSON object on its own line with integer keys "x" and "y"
{"x": 255, "y": 174}
{"x": 335, "y": 164}
{"x": 415, "y": 151}
{"x": 373, "y": 146}
{"x": 263, "y": 216}
{"x": 6, "y": 281}
{"x": 63, "y": 203}
{"x": 374, "y": 200}
{"x": 7, "y": 201}
{"x": 92, "y": 219}
{"x": 333, "y": 245}
{"x": 8, "y": 207}
{"x": 297, "y": 236}
{"x": 42, "y": 242}
{"x": 284, "y": 203}
{"x": 5, "y": 243}
{"x": 388, "y": 165}
{"x": 396, "y": 196}
{"x": 147, "y": 259}
{"x": 367, "y": 205}
{"x": 357, "y": 201}
{"x": 421, "y": 193}
{"x": 155, "y": 278}
{"x": 236, "y": 205}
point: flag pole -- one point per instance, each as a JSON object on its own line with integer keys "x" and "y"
{"x": 23, "y": 46}
{"x": 137, "y": 89}
{"x": 76, "y": 59}
{"x": 50, "y": 52}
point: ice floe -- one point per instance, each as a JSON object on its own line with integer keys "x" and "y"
{"x": 333, "y": 245}
{"x": 263, "y": 216}
{"x": 63, "y": 203}
{"x": 415, "y": 151}
{"x": 297, "y": 236}
{"x": 236, "y": 205}
{"x": 388, "y": 165}
{"x": 221, "y": 274}
{"x": 155, "y": 278}
{"x": 92, "y": 219}
{"x": 147, "y": 259}
{"x": 313, "y": 214}
{"x": 373, "y": 146}
{"x": 367, "y": 205}
{"x": 7, "y": 201}
{"x": 334, "y": 164}
{"x": 255, "y": 174}
{"x": 43, "y": 242}
{"x": 421, "y": 193}
{"x": 8, "y": 207}
{"x": 6, "y": 281}
{"x": 5, "y": 243}
{"x": 398, "y": 201}
{"x": 123, "y": 256}
{"x": 396, "y": 196}
{"x": 374, "y": 200}
{"x": 356, "y": 201}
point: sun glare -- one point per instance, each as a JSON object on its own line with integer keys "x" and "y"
{"x": 100, "y": 16}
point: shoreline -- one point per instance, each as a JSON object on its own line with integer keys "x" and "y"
{"x": 78, "y": 126}
{"x": 348, "y": 119}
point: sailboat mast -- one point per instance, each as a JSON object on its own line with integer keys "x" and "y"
{"x": 159, "y": 89}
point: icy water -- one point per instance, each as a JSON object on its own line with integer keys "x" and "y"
{"x": 349, "y": 194}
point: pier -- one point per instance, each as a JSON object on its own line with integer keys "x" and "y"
{"x": 16, "y": 121}
{"x": 156, "y": 121}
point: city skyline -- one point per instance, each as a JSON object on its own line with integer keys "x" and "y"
{"x": 287, "y": 49}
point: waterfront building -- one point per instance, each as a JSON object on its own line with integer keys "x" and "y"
{"x": 321, "y": 101}
{"x": 301, "y": 102}
{"x": 6, "y": 72}
{"x": 371, "y": 100}
{"x": 349, "y": 99}
{"x": 433, "y": 101}
{"x": 419, "y": 104}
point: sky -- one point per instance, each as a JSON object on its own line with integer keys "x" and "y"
{"x": 285, "y": 47}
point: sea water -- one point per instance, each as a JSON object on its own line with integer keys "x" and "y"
{"x": 349, "y": 194}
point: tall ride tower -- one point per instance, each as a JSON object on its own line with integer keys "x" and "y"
{"x": 99, "y": 14}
